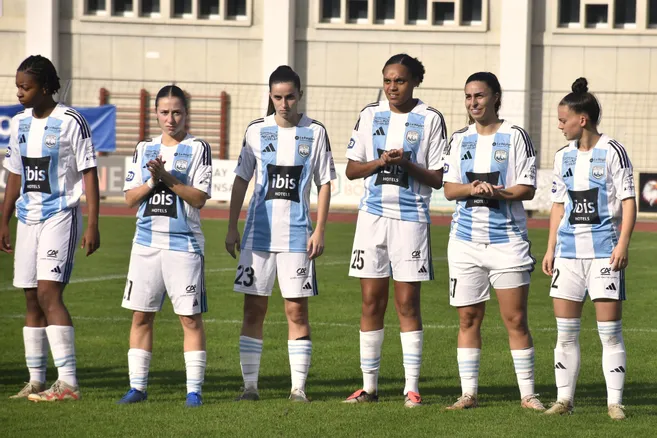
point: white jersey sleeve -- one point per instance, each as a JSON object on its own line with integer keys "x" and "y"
{"x": 133, "y": 178}
{"x": 356, "y": 149}
{"x": 559, "y": 188}
{"x": 437, "y": 144}
{"x": 622, "y": 173}
{"x": 246, "y": 162}
{"x": 202, "y": 176}
{"x": 12, "y": 161}
{"x": 451, "y": 161}
{"x": 324, "y": 167}
{"x": 525, "y": 158}
{"x": 81, "y": 141}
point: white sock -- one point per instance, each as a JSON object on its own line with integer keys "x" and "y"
{"x": 36, "y": 352}
{"x": 412, "y": 351}
{"x": 567, "y": 358}
{"x": 523, "y": 362}
{"x": 370, "y": 358}
{"x": 250, "y": 353}
{"x": 195, "y": 368}
{"x": 468, "y": 359}
{"x": 139, "y": 362}
{"x": 613, "y": 359}
{"x": 62, "y": 345}
{"x": 299, "y": 353}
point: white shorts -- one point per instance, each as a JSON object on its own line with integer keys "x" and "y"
{"x": 155, "y": 272}
{"x": 385, "y": 247}
{"x": 46, "y": 251}
{"x": 257, "y": 271}
{"x": 573, "y": 279}
{"x": 474, "y": 267}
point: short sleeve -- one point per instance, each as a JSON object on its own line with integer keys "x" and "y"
{"x": 525, "y": 155}
{"x": 559, "y": 188}
{"x": 12, "y": 161}
{"x": 246, "y": 162}
{"x": 452, "y": 166}
{"x": 437, "y": 143}
{"x": 622, "y": 173}
{"x": 82, "y": 142}
{"x": 133, "y": 176}
{"x": 202, "y": 177}
{"x": 356, "y": 149}
{"x": 324, "y": 171}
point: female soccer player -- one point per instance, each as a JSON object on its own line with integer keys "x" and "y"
{"x": 395, "y": 147}
{"x": 170, "y": 180}
{"x": 50, "y": 153}
{"x": 591, "y": 222}
{"x": 489, "y": 170}
{"x": 285, "y": 151}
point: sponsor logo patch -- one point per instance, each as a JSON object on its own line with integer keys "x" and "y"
{"x": 284, "y": 182}
{"x": 393, "y": 174}
{"x": 585, "y": 207}
{"x": 35, "y": 172}
{"x": 162, "y": 202}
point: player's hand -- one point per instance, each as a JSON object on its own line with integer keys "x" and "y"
{"x": 91, "y": 240}
{"x": 315, "y": 247}
{"x": 474, "y": 187}
{"x": 395, "y": 156}
{"x": 5, "y": 240}
{"x": 232, "y": 242}
{"x": 383, "y": 159}
{"x": 619, "y": 257}
{"x": 548, "y": 263}
{"x": 156, "y": 168}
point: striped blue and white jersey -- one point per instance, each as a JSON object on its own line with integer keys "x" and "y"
{"x": 50, "y": 155}
{"x": 285, "y": 162}
{"x": 392, "y": 192}
{"x": 164, "y": 220}
{"x": 591, "y": 185}
{"x": 505, "y": 158}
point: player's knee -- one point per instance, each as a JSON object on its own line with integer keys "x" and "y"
{"x": 254, "y": 313}
{"x": 408, "y": 309}
{"x": 297, "y": 316}
{"x": 192, "y": 323}
{"x": 517, "y": 322}
{"x": 49, "y": 298}
{"x": 142, "y": 320}
{"x": 469, "y": 321}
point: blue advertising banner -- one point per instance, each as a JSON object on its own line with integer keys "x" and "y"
{"x": 101, "y": 119}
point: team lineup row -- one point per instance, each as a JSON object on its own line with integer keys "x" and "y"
{"x": 400, "y": 148}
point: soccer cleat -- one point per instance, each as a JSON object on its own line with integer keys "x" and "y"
{"x": 412, "y": 400}
{"x": 248, "y": 395}
{"x": 299, "y": 396}
{"x": 133, "y": 396}
{"x": 29, "y": 388}
{"x": 194, "y": 400}
{"x": 616, "y": 411}
{"x": 531, "y": 401}
{"x": 59, "y": 391}
{"x": 560, "y": 407}
{"x": 466, "y": 401}
{"x": 362, "y": 396}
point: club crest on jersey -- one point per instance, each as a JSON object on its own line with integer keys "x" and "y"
{"x": 181, "y": 165}
{"x": 598, "y": 172}
{"x": 500, "y": 155}
{"x": 50, "y": 140}
{"x": 412, "y": 137}
{"x": 304, "y": 150}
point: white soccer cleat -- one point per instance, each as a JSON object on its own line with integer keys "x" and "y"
{"x": 32, "y": 387}
{"x": 59, "y": 391}
{"x": 298, "y": 396}
{"x": 560, "y": 407}
{"x": 531, "y": 401}
{"x": 248, "y": 394}
{"x": 616, "y": 411}
{"x": 412, "y": 400}
{"x": 466, "y": 401}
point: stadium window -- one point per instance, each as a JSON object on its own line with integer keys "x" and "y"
{"x": 209, "y": 9}
{"x": 625, "y": 14}
{"x": 597, "y": 16}
{"x": 385, "y": 11}
{"x": 470, "y": 12}
{"x": 416, "y": 11}
{"x": 569, "y": 13}
{"x": 652, "y": 13}
{"x": 236, "y": 10}
{"x": 357, "y": 11}
{"x": 149, "y": 8}
{"x": 182, "y": 8}
{"x": 443, "y": 13}
{"x": 96, "y": 7}
{"x": 122, "y": 8}
{"x": 331, "y": 11}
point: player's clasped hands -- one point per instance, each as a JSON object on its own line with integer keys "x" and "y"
{"x": 484, "y": 189}
{"x": 156, "y": 168}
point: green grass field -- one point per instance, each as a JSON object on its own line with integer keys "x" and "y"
{"x": 102, "y": 328}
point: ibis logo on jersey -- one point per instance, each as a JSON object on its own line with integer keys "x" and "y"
{"x": 412, "y": 137}
{"x": 162, "y": 202}
{"x": 304, "y": 150}
{"x": 50, "y": 141}
{"x": 35, "y": 171}
{"x": 585, "y": 207}
{"x": 181, "y": 165}
{"x": 284, "y": 182}
{"x": 489, "y": 177}
{"x": 500, "y": 155}
{"x": 597, "y": 172}
{"x": 393, "y": 174}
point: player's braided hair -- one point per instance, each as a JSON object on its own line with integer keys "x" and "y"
{"x": 582, "y": 102}
{"x": 492, "y": 82}
{"x": 172, "y": 91}
{"x": 413, "y": 65}
{"x": 43, "y": 70}
{"x": 282, "y": 74}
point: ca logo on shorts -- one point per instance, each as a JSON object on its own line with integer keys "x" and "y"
{"x": 301, "y": 271}
{"x": 191, "y": 289}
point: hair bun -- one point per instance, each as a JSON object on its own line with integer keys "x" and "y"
{"x": 580, "y": 86}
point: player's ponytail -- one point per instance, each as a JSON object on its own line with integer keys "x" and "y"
{"x": 283, "y": 73}
{"x": 493, "y": 83}
{"x": 414, "y": 66}
{"x": 43, "y": 70}
{"x": 581, "y": 101}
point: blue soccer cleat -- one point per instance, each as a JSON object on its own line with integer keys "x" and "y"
{"x": 194, "y": 400}
{"x": 133, "y": 396}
